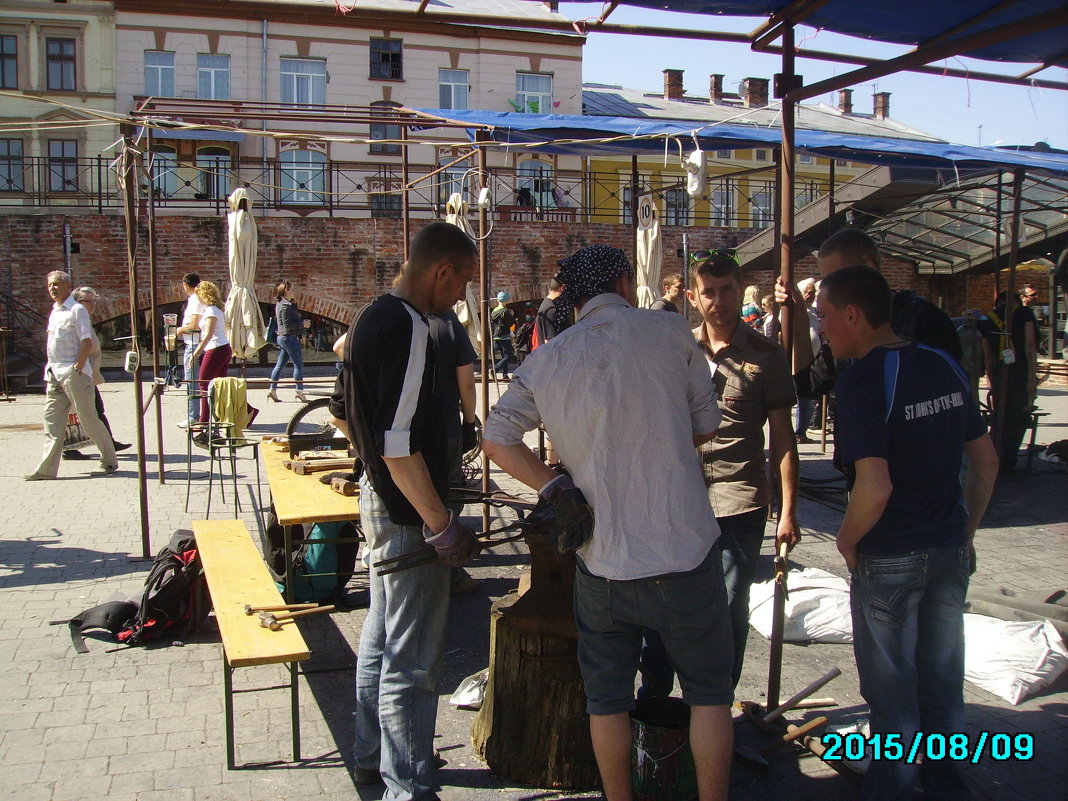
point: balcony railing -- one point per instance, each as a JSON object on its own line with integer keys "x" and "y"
{"x": 374, "y": 189}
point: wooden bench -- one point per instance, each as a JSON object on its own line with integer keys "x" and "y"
{"x": 236, "y": 575}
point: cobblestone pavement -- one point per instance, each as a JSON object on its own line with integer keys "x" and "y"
{"x": 123, "y": 724}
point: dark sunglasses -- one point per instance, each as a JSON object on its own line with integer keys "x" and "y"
{"x": 706, "y": 255}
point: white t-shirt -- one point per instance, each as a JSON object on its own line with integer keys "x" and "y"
{"x": 193, "y": 307}
{"x": 218, "y": 336}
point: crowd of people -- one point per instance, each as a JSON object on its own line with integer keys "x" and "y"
{"x": 659, "y": 481}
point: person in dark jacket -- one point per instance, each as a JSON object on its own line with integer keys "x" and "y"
{"x": 290, "y": 327}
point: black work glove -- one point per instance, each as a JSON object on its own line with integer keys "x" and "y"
{"x": 469, "y": 439}
{"x": 456, "y": 544}
{"x": 571, "y": 524}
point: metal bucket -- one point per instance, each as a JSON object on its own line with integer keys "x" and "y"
{"x": 662, "y": 766}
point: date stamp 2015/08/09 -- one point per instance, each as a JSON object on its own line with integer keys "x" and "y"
{"x": 959, "y": 747}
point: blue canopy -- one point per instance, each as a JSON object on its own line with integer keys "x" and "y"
{"x": 616, "y": 136}
{"x": 912, "y": 22}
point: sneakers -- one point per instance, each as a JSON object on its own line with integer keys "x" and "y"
{"x": 105, "y": 470}
{"x": 37, "y": 477}
{"x": 122, "y": 446}
{"x": 74, "y": 456}
{"x": 184, "y": 424}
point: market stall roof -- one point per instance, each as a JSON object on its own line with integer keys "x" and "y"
{"x": 616, "y": 136}
{"x": 1041, "y": 26}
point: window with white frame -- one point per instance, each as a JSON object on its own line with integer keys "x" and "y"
{"x": 760, "y": 214}
{"x": 626, "y": 214}
{"x": 63, "y": 165}
{"x": 387, "y": 59}
{"x": 302, "y": 176}
{"x": 722, "y": 198}
{"x": 303, "y": 81}
{"x": 760, "y": 155}
{"x": 806, "y": 158}
{"x": 165, "y": 170}
{"x": 533, "y": 93}
{"x": 213, "y": 76}
{"x": 453, "y": 89}
{"x": 534, "y": 184}
{"x": 806, "y": 192}
{"x": 12, "y": 167}
{"x": 676, "y": 207}
{"x": 61, "y": 60}
{"x": 159, "y": 73}
{"x": 452, "y": 179}
{"x": 213, "y": 168}
{"x": 9, "y": 62}
{"x": 384, "y": 135}
{"x": 724, "y": 154}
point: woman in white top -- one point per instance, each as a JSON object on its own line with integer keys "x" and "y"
{"x": 214, "y": 349}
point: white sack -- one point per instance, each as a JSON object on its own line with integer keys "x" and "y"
{"x": 816, "y": 611}
{"x": 1013, "y": 659}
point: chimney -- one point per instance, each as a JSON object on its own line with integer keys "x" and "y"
{"x": 715, "y": 88}
{"x": 881, "y": 103}
{"x": 845, "y": 101}
{"x": 673, "y": 84}
{"x": 754, "y": 92}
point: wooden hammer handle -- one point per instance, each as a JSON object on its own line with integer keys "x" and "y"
{"x": 786, "y": 706}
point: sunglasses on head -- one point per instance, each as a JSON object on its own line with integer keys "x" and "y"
{"x": 706, "y": 255}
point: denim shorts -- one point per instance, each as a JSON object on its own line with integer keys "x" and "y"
{"x": 688, "y": 610}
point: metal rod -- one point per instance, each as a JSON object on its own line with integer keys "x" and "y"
{"x": 406, "y": 223}
{"x": 156, "y": 395}
{"x": 129, "y": 183}
{"x": 483, "y": 318}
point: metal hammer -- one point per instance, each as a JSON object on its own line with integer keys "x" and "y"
{"x": 269, "y": 620}
{"x": 249, "y": 609}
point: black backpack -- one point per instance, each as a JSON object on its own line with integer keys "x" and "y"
{"x": 173, "y": 602}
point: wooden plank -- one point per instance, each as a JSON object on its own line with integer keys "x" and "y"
{"x": 237, "y": 576}
{"x": 304, "y": 499}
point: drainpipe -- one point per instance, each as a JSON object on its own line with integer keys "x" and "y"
{"x": 66, "y": 250}
{"x": 263, "y": 87}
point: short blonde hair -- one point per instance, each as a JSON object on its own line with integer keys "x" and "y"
{"x": 209, "y": 294}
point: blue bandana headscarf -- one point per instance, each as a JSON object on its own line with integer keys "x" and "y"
{"x": 586, "y": 273}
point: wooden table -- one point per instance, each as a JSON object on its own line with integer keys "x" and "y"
{"x": 301, "y": 499}
{"x": 304, "y": 499}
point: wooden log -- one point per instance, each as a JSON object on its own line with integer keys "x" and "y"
{"x": 533, "y": 727}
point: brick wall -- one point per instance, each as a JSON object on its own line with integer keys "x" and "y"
{"x": 337, "y": 263}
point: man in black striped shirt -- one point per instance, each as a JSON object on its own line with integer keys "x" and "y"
{"x": 393, "y": 411}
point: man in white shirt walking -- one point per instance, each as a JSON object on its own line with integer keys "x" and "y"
{"x": 70, "y": 379}
{"x": 190, "y": 332}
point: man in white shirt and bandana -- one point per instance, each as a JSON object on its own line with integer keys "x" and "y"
{"x": 626, "y": 394}
{"x": 70, "y": 378}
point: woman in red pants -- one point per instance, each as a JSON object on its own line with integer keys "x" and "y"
{"x": 214, "y": 349}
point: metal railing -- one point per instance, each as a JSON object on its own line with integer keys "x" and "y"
{"x": 374, "y": 189}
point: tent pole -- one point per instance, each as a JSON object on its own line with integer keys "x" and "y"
{"x": 129, "y": 183}
{"x": 406, "y": 224}
{"x": 1011, "y": 303}
{"x": 152, "y": 316}
{"x": 483, "y": 318}
{"x": 634, "y": 208}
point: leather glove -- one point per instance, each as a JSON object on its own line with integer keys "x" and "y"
{"x": 456, "y": 544}
{"x": 469, "y": 438}
{"x": 572, "y": 516}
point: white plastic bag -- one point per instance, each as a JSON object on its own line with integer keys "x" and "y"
{"x": 816, "y": 611}
{"x": 472, "y": 691}
{"x": 1013, "y": 659}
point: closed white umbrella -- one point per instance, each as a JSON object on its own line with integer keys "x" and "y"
{"x": 649, "y": 257}
{"x": 244, "y": 323}
{"x": 466, "y": 309}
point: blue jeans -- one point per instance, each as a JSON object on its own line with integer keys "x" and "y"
{"x": 289, "y": 348}
{"x": 803, "y": 414}
{"x": 399, "y": 658}
{"x": 740, "y": 540}
{"x": 503, "y": 349}
{"x": 908, "y": 638}
{"x": 192, "y": 372}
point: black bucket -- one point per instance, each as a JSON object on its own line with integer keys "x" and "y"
{"x": 662, "y": 766}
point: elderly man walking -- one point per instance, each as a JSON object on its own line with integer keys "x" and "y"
{"x": 70, "y": 379}
{"x": 626, "y": 394}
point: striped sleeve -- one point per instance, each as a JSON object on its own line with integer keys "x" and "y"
{"x": 403, "y": 388}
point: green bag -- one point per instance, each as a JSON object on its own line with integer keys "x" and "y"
{"x": 272, "y": 331}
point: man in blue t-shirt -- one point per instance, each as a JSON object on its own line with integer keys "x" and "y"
{"x": 905, "y": 420}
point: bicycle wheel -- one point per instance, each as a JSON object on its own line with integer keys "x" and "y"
{"x": 312, "y": 418}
